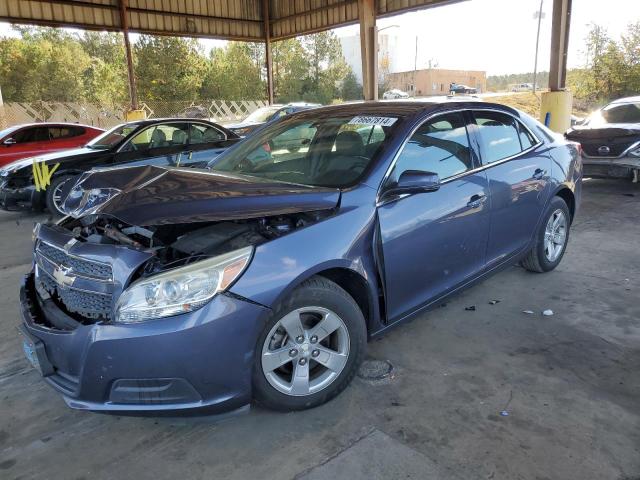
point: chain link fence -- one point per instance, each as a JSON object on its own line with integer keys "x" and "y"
{"x": 220, "y": 111}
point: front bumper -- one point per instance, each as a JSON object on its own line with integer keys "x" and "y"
{"x": 23, "y": 198}
{"x": 195, "y": 360}
{"x": 620, "y": 167}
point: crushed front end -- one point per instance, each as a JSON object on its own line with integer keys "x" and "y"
{"x": 201, "y": 358}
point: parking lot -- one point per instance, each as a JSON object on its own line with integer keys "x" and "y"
{"x": 567, "y": 386}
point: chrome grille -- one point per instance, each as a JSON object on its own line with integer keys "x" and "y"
{"x": 91, "y": 305}
{"x": 80, "y": 266}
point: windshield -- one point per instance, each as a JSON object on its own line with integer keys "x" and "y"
{"x": 112, "y": 137}
{"x": 330, "y": 151}
{"x": 616, "y": 113}
{"x": 262, "y": 114}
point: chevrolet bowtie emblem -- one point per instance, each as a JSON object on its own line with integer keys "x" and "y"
{"x": 62, "y": 276}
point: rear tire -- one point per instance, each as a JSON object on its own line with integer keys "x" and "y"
{"x": 309, "y": 371}
{"x": 53, "y": 198}
{"x": 551, "y": 239}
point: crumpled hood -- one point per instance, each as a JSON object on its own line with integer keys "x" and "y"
{"x": 149, "y": 195}
{"x": 611, "y": 130}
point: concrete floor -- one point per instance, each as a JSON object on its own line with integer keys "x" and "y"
{"x": 570, "y": 384}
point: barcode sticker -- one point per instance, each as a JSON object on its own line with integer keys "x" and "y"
{"x": 370, "y": 120}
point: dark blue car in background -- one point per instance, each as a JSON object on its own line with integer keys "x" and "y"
{"x": 263, "y": 276}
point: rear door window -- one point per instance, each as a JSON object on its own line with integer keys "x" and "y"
{"x": 200, "y": 133}
{"x": 58, "y": 133}
{"x": 501, "y": 136}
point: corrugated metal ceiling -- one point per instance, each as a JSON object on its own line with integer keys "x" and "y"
{"x": 227, "y": 19}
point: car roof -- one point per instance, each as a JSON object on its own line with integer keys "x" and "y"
{"x": 635, "y": 99}
{"x": 303, "y": 104}
{"x": 152, "y": 121}
{"x": 55, "y": 124}
{"x": 403, "y": 107}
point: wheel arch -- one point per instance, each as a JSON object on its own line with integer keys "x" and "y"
{"x": 568, "y": 196}
{"x": 355, "y": 285}
{"x": 354, "y": 280}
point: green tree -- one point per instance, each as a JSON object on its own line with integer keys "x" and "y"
{"x": 631, "y": 52}
{"x": 612, "y": 68}
{"x": 290, "y": 67}
{"x": 44, "y": 64}
{"x": 168, "y": 68}
{"x": 106, "y": 81}
{"x": 327, "y": 67}
{"x": 351, "y": 88}
{"x": 232, "y": 74}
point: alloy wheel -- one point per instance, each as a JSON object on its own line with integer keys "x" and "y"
{"x": 555, "y": 235}
{"x": 305, "y": 351}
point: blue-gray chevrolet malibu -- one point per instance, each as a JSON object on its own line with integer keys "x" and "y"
{"x": 263, "y": 276}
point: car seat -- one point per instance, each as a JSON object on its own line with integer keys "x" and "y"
{"x": 158, "y": 139}
{"x": 179, "y": 137}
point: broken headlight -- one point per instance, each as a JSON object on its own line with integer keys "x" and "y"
{"x": 81, "y": 202}
{"x": 182, "y": 289}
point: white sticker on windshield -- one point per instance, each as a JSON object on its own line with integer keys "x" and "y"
{"x": 370, "y": 120}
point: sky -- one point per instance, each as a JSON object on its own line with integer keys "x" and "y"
{"x": 497, "y": 36}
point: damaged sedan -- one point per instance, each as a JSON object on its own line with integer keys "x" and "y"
{"x": 263, "y": 276}
{"x": 610, "y": 140}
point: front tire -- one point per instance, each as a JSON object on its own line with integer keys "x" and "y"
{"x": 310, "y": 349}
{"x": 54, "y": 195}
{"x": 551, "y": 239}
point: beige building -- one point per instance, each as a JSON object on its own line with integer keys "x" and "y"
{"x": 436, "y": 81}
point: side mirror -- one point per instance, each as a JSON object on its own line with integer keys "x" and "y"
{"x": 9, "y": 141}
{"x": 414, "y": 181}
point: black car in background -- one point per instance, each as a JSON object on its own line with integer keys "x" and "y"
{"x": 610, "y": 140}
{"x": 267, "y": 114}
{"x": 38, "y": 182}
{"x": 458, "y": 88}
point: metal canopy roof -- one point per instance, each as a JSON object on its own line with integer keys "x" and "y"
{"x": 226, "y": 19}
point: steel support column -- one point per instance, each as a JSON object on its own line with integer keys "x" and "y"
{"x": 124, "y": 24}
{"x": 267, "y": 50}
{"x": 368, "y": 48}
{"x": 559, "y": 44}
{"x": 556, "y": 104}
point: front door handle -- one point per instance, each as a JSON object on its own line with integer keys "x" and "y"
{"x": 476, "y": 200}
{"x": 539, "y": 174}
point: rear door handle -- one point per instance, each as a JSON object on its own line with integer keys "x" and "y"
{"x": 476, "y": 200}
{"x": 539, "y": 174}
